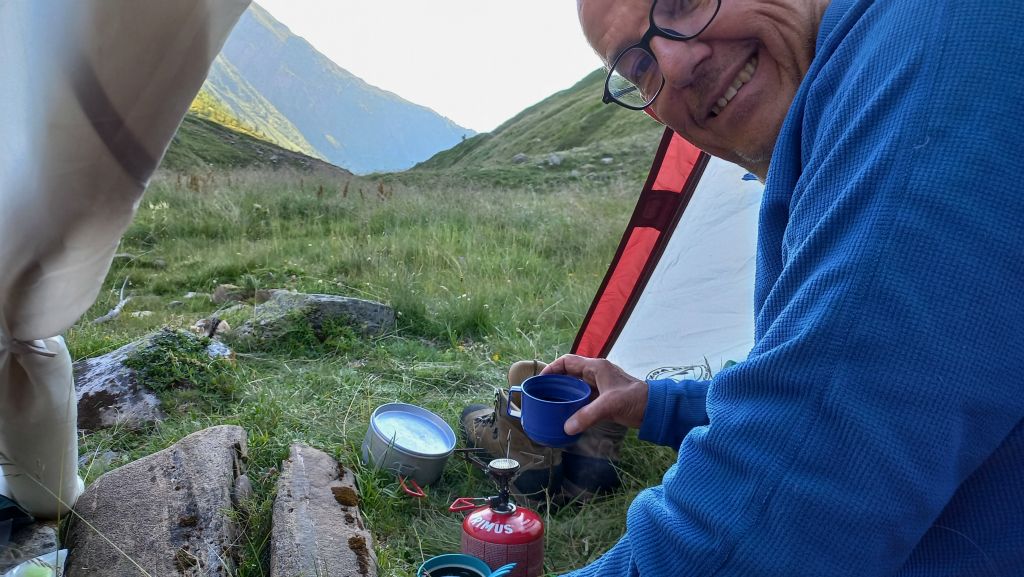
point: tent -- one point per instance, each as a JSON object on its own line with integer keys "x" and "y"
{"x": 677, "y": 300}
{"x": 97, "y": 89}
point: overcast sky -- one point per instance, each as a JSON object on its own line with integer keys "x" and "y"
{"x": 478, "y": 62}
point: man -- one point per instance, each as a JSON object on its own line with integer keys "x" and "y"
{"x": 851, "y": 441}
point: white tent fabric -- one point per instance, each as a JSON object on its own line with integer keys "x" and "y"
{"x": 696, "y": 311}
{"x": 92, "y": 92}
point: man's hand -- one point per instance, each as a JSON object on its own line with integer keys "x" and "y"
{"x": 621, "y": 398}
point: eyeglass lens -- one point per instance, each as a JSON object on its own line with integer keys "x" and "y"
{"x": 636, "y": 77}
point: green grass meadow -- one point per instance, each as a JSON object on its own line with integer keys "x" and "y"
{"x": 479, "y": 276}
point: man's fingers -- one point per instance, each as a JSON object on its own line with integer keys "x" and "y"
{"x": 573, "y": 365}
{"x": 584, "y": 418}
{"x": 563, "y": 365}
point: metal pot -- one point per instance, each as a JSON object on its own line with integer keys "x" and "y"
{"x": 409, "y": 441}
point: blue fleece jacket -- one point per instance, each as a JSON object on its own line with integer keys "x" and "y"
{"x": 877, "y": 427}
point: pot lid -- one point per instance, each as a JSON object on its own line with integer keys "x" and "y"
{"x": 413, "y": 429}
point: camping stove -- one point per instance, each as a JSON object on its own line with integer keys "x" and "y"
{"x": 500, "y": 532}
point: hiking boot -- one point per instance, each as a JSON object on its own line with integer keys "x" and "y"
{"x": 590, "y": 465}
{"x": 522, "y": 370}
{"x": 490, "y": 428}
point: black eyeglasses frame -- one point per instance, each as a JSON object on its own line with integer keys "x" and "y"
{"x": 653, "y": 31}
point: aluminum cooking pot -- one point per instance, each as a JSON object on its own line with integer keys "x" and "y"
{"x": 409, "y": 441}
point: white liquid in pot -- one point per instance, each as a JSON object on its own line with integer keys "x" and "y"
{"x": 411, "y": 433}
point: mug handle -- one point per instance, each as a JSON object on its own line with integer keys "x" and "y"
{"x": 503, "y": 570}
{"x": 516, "y": 414}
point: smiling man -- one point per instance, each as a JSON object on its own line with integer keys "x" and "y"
{"x": 890, "y": 252}
{"x": 722, "y": 74}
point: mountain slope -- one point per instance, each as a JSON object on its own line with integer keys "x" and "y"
{"x": 204, "y": 143}
{"x": 571, "y": 132}
{"x": 281, "y": 86}
{"x": 226, "y": 86}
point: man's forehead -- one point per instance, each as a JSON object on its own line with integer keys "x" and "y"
{"x": 612, "y": 25}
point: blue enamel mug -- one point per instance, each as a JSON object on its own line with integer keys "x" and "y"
{"x": 547, "y": 402}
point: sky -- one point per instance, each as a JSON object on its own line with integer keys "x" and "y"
{"x": 478, "y": 62}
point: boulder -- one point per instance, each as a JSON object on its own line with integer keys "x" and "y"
{"x": 228, "y": 293}
{"x": 171, "y": 513}
{"x": 206, "y": 328}
{"x": 263, "y": 295}
{"x": 317, "y": 527}
{"x": 554, "y": 159}
{"x": 109, "y": 393}
{"x": 277, "y": 314}
{"x": 520, "y": 158}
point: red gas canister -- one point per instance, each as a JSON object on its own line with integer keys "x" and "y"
{"x": 501, "y": 532}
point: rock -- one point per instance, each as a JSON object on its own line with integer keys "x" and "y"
{"x": 275, "y": 315}
{"x": 520, "y": 158}
{"x": 28, "y": 543}
{"x": 575, "y": 173}
{"x": 170, "y": 512}
{"x": 195, "y": 295}
{"x": 263, "y": 295}
{"x": 202, "y": 327}
{"x": 228, "y": 293}
{"x": 101, "y": 461}
{"x": 607, "y": 160}
{"x": 554, "y": 159}
{"x": 175, "y": 304}
{"x": 218, "y": 350}
{"x": 317, "y": 527}
{"x": 109, "y": 393}
{"x": 242, "y": 491}
{"x": 141, "y": 314}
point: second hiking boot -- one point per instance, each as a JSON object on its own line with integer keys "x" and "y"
{"x": 491, "y": 429}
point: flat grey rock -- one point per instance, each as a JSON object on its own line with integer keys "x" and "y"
{"x": 109, "y": 393}
{"x": 170, "y": 513}
{"x": 275, "y": 315}
{"x": 318, "y": 529}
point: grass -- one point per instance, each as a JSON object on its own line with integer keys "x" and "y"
{"x": 480, "y": 276}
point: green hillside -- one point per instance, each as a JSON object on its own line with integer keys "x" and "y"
{"x": 570, "y": 135}
{"x": 204, "y": 143}
{"x": 226, "y": 91}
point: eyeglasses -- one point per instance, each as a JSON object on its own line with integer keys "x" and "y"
{"x": 635, "y": 79}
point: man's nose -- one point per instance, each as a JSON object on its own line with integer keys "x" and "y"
{"x": 679, "y": 60}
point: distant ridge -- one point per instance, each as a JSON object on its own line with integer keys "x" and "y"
{"x": 571, "y": 133}
{"x": 277, "y": 86}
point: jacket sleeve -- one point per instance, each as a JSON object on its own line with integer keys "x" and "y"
{"x": 886, "y": 369}
{"x": 673, "y": 408}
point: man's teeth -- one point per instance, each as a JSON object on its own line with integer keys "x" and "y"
{"x": 742, "y": 78}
